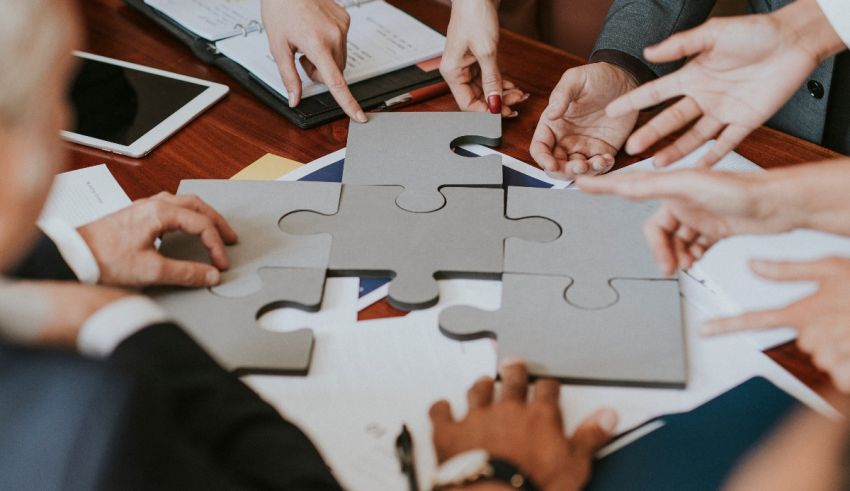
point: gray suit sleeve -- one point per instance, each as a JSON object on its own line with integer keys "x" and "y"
{"x": 632, "y": 25}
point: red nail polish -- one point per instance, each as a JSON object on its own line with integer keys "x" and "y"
{"x": 494, "y": 103}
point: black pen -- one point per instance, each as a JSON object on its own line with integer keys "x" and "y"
{"x": 404, "y": 452}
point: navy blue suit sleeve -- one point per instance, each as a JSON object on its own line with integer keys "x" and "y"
{"x": 44, "y": 262}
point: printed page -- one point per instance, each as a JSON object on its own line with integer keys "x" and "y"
{"x": 381, "y": 39}
{"x": 82, "y": 196}
{"x": 210, "y": 19}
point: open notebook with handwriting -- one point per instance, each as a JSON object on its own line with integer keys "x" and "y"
{"x": 386, "y": 51}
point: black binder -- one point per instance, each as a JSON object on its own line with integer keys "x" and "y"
{"x": 312, "y": 111}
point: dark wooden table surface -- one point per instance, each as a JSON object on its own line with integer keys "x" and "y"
{"x": 239, "y": 129}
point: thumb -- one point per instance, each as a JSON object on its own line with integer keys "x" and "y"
{"x": 682, "y": 44}
{"x": 491, "y": 81}
{"x": 594, "y": 432}
{"x": 186, "y": 273}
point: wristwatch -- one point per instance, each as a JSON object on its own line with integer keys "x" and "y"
{"x": 475, "y": 466}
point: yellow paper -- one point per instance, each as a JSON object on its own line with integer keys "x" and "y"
{"x": 267, "y": 168}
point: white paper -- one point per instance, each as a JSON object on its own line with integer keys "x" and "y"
{"x": 82, "y": 196}
{"x": 381, "y": 39}
{"x": 210, "y": 19}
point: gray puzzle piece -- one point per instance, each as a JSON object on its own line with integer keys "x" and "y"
{"x": 637, "y": 342}
{"x": 253, "y": 209}
{"x": 601, "y": 239}
{"x": 227, "y": 327}
{"x": 465, "y": 238}
{"x": 413, "y": 150}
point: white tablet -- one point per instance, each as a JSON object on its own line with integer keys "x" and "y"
{"x": 130, "y": 109}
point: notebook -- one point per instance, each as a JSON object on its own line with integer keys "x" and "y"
{"x": 386, "y": 51}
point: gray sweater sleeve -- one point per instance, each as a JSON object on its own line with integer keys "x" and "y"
{"x": 632, "y": 25}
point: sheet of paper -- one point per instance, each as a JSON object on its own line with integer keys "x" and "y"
{"x": 269, "y": 167}
{"x": 210, "y": 19}
{"x": 381, "y": 39}
{"x": 85, "y": 195}
{"x": 725, "y": 270}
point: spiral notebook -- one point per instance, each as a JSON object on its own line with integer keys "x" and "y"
{"x": 388, "y": 51}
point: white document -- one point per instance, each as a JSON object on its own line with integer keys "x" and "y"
{"x": 82, "y": 196}
{"x": 381, "y": 39}
{"x": 210, "y": 19}
{"x": 725, "y": 270}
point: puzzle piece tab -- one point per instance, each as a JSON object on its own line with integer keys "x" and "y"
{"x": 228, "y": 329}
{"x": 465, "y": 238}
{"x": 413, "y": 150}
{"x": 601, "y": 239}
{"x": 253, "y": 209}
{"x": 639, "y": 341}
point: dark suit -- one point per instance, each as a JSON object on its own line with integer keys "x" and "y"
{"x": 818, "y": 112}
{"x": 158, "y": 414}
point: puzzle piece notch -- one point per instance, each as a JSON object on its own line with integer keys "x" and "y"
{"x": 637, "y": 342}
{"x": 464, "y": 239}
{"x": 601, "y": 240}
{"x": 253, "y": 209}
{"x": 228, "y": 327}
{"x": 414, "y": 150}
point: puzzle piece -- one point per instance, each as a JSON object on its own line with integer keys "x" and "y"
{"x": 228, "y": 329}
{"x": 601, "y": 239}
{"x": 465, "y": 238}
{"x": 638, "y": 341}
{"x": 253, "y": 209}
{"x": 413, "y": 150}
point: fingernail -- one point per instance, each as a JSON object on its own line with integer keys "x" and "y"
{"x": 213, "y": 277}
{"x": 494, "y": 103}
{"x": 607, "y": 420}
{"x": 525, "y": 97}
{"x": 706, "y": 329}
{"x": 759, "y": 266}
{"x": 291, "y": 101}
{"x": 361, "y": 117}
{"x": 513, "y": 114}
{"x": 511, "y": 361}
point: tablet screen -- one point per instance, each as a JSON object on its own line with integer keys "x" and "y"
{"x": 119, "y": 104}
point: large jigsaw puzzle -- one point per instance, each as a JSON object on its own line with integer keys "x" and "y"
{"x": 372, "y": 236}
{"x": 582, "y": 299}
{"x": 414, "y": 150}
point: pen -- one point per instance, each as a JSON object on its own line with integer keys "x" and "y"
{"x": 404, "y": 452}
{"x": 414, "y": 96}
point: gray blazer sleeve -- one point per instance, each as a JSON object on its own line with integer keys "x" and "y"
{"x": 632, "y": 25}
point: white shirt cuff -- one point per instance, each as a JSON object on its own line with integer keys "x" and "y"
{"x": 73, "y": 249}
{"x": 111, "y": 325}
{"x": 838, "y": 14}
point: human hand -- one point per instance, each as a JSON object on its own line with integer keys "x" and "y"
{"x": 527, "y": 433}
{"x": 51, "y": 312}
{"x": 470, "y": 63}
{"x": 743, "y": 71}
{"x": 123, "y": 242}
{"x": 319, "y": 30}
{"x": 699, "y": 208}
{"x": 822, "y": 319}
{"x": 575, "y": 136}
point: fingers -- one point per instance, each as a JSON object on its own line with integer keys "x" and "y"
{"x": 647, "y": 95}
{"x": 730, "y": 138}
{"x": 669, "y": 121}
{"x": 542, "y": 148}
{"x": 704, "y": 130}
{"x": 172, "y": 218}
{"x": 440, "y": 414}
{"x": 285, "y": 58}
{"x": 195, "y": 203}
{"x": 491, "y": 80}
{"x": 547, "y": 391}
{"x": 514, "y": 380}
{"x": 658, "y": 234}
{"x": 816, "y": 270}
{"x": 594, "y": 432}
{"x": 480, "y": 395}
{"x": 183, "y": 273}
{"x": 645, "y": 185}
{"x": 682, "y": 44}
{"x": 759, "y": 320}
{"x": 329, "y": 73}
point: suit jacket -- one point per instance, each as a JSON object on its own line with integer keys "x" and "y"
{"x": 632, "y": 25}
{"x": 158, "y": 414}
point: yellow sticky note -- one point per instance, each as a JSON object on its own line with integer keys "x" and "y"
{"x": 267, "y": 168}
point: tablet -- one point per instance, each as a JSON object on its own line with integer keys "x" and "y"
{"x": 130, "y": 109}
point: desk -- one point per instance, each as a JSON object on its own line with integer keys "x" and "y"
{"x": 239, "y": 129}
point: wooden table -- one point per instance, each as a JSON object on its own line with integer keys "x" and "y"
{"x": 238, "y": 130}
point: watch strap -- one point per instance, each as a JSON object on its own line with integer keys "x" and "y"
{"x": 506, "y": 472}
